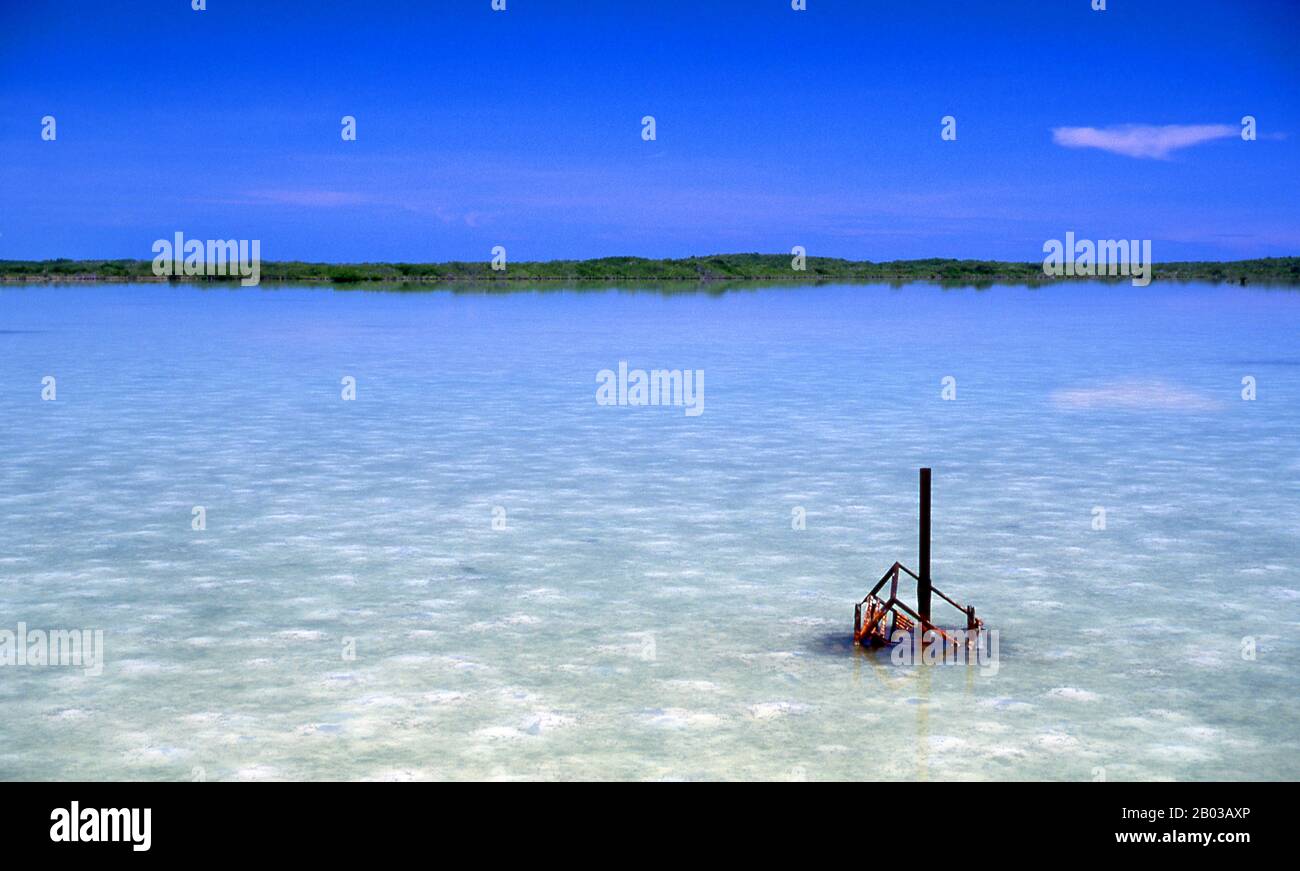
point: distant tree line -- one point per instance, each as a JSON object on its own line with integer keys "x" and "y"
{"x": 719, "y": 267}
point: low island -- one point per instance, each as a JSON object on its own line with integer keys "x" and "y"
{"x": 713, "y": 268}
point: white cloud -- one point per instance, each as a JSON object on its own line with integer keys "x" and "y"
{"x": 1142, "y": 140}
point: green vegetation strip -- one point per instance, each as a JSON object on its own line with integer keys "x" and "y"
{"x": 721, "y": 267}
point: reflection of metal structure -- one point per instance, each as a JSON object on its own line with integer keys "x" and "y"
{"x": 870, "y": 615}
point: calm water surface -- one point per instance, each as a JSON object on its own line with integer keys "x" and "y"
{"x": 648, "y": 611}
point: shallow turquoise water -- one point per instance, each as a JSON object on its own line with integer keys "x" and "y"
{"x": 648, "y": 611}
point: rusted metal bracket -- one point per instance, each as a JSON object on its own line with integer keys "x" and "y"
{"x": 869, "y": 624}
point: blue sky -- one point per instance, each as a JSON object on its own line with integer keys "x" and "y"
{"x": 775, "y": 128}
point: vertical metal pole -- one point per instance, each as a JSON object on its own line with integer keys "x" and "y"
{"x": 923, "y": 586}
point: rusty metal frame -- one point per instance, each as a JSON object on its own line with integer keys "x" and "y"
{"x": 872, "y": 632}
